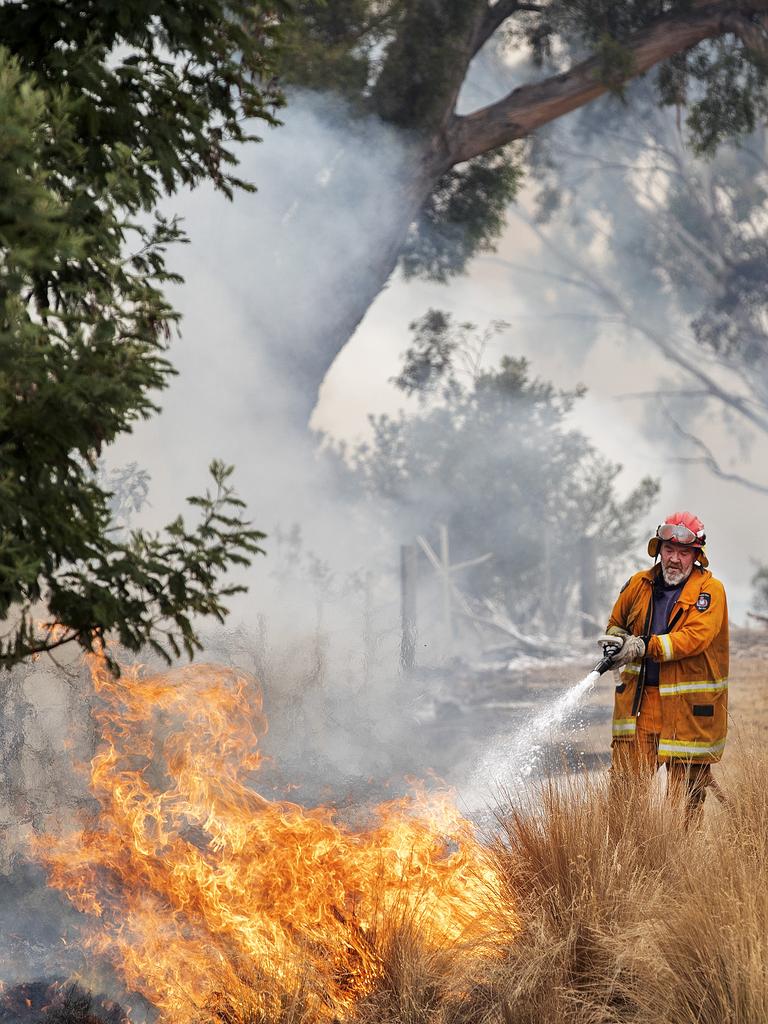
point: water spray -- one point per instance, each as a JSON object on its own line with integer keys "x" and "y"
{"x": 516, "y": 757}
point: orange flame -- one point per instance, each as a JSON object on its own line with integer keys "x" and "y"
{"x": 189, "y": 874}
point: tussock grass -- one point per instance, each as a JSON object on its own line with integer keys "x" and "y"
{"x": 613, "y": 911}
{"x": 631, "y": 916}
{"x": 416, "y": 981}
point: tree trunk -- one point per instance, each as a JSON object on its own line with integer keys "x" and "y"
{"x": 416, "y": 92}
{"x": 302, "y": 354}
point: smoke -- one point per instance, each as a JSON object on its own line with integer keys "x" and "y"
{"x": 320, "y": 621}
{"x": 612, "y": 271}
{"x": 320, "y": 625}
{"x": 260, "y": 271}
{"x": 46, "y": 741}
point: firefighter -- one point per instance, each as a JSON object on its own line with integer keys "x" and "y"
{"x": 668, "y": 633}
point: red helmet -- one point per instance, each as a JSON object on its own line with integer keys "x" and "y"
{"x": 680, "y": 528}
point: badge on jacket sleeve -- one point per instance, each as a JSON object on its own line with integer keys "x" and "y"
{"x": 703, "y": 602}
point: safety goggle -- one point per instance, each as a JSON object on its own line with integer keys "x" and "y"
{"x": 679, "y": 533}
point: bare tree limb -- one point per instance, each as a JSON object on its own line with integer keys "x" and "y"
{"x": 529, "y": 107}
{"x": 673, "y": 351}
{"x": 708, "y": 459}
{"x": 713, "y": 466}
{"x": 666, "y": 393}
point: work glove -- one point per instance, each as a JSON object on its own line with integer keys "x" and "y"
{"x": 611, "y": 646}
{"x": 623, "y": 649}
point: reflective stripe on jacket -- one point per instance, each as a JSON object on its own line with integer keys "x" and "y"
{"x": 693, "y": 666}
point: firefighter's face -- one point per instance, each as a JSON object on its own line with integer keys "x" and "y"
{"x": 677, "y": 561}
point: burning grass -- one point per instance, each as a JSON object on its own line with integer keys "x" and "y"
{"x": 206, "y": 896}
{"x": 56, "y": 1002}
{"x": 583, "y": 905}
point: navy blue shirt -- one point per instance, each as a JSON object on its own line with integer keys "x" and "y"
{"x": 664, "y": 598}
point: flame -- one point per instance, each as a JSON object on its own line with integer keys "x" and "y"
{"x": 196, "y": 885}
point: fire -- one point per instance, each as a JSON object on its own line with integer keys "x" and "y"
{"x": 200, "y": 890}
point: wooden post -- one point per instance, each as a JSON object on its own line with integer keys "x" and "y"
{"x": 588, "y": 586}
{"x": 445, "y": 561}
{"x": 408, "y": 607}
{"x": 369, "y": 639}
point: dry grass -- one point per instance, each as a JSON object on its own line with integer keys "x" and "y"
{"x": 628, "y": 917}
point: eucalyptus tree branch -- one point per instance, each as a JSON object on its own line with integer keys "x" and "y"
{"x": 529, "y": 107}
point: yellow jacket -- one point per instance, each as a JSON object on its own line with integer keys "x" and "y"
{"x": 693, "y": 670}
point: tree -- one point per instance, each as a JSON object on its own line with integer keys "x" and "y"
{"x": 489, "y": 453}
{"x": 106, "y": 108}
{"x": 760, "y": 592}
{"x": 638, "y": 231}
{"x": 406, "y": 64}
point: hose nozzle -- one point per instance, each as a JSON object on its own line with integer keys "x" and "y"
{"x": 610, "y": 650}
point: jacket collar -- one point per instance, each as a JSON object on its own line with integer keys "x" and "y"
{"x": 692, "y": 588}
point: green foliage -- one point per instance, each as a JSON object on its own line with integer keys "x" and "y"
{"x": 425, "y": 62}
{"x": 332, "y": 45}
{"x": 442, "y": 353}
{"x": 144, "y": 591}
{"x": 721, "y": 83}
{"x": 723, "y": 89}
{"x": 590, "y": 21}
{"x": 490, "y": 453}
{"x": 128, "y": 489}
{"x": 616, "y": 63}
{"x": 429, "y": 359}
{"x": 103, "y": 107}
{"x": 732, "y": 95}
{"x": 464, "y": 215}
{"x": 162, "y": 87}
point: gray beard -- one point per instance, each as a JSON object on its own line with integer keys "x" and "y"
{"x": 674, "y": 576}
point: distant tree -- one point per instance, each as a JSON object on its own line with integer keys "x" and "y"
{"x": 106, "y": 108}
{"x": 760, "y": 589}
{"x": 407, "y": 65}
{"x": 128, "y": 489}
{"x": 489, "y": 453}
